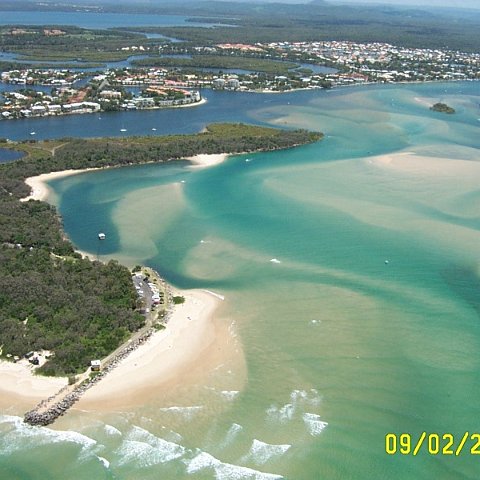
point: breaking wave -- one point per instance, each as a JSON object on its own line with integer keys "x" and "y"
{"x": 231, "y": 435}
{"x": 299, "y": 399}
{"x": 314, "y": 425}
{"x": 262, "y": 452}
{"x": 300, "y": 402}
{"x": 16, "y": 435}
{"x": 144, "y": 449}
{"x": 186, "y": 412}
{"x": 226, "y": 471}
{"x": 104, "y": 461}
{"x": 111, "y": 430}
{"x": 230, "y": 394}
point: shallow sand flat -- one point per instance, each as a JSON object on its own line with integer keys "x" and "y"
{"x": 138, "y": 232}
{"x": 413, "y": 164}
{"x": 405, "y": 191}
{"x": 191, "y": 346}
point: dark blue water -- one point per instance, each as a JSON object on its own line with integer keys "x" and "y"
{"x": 96, "y": 20}
{"x": 11, "y": 87}
{"x": 220, "y": 107}
{"x": 7, "y": 155}
{"x": 317, "y": 68}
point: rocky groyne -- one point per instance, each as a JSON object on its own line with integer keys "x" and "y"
{"x": 48, "y": 410}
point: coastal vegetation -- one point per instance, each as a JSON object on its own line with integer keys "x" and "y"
{"x": 177, "y": 300}
{"x": 243, "y": 22}
{"x": 67, "y": 43}
{"x": 419, "y": 27}
{"x": 219, "y": 61}
{"x": 442, "y": 107}
{"x": 107, "y": 152}
{"x": 50, "y": 297}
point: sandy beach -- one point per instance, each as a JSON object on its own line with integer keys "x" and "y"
{"x": 192, "y": 345}
{"x": 194, "y": 342}
{"x": 39, "y": 185}
{"x": 20, "y": 390}
{"x": 207, "y": 160}
{"x": 41, "y": 190}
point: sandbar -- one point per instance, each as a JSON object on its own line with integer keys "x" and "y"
{"x": 207, "y": 160}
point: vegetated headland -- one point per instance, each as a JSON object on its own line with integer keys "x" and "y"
{"x": 53, "y": 299}
{"x": 443, "y": 108}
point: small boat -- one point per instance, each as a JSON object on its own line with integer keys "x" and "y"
{"x": 101, "y": 236}
{"x": 123, "y": 129}
{"x": 154, "y": 129}
{"x": 32, "y": 133}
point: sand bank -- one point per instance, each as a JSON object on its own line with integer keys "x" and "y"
{"x": 191, "y": 346}
{"x": 461, "y": 165}
{"x": 207, "y": 160}
{"x": 39, "y": 185}
{"x": 20, "y": 390}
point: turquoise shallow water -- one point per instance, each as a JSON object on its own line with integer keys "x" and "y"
{"x": 351, "y": 277}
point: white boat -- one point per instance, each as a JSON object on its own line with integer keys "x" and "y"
{"x": 154, "y": 129}
{"x": 101, "y": 236}
{"x": 123, "y": 129}
{"x": 32, "y": 133}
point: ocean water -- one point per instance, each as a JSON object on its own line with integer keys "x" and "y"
{"x": 99, "y": 20}
{"x": 350, "y": 270}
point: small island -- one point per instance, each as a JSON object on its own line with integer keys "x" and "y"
{"x": 443, "y": 108}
